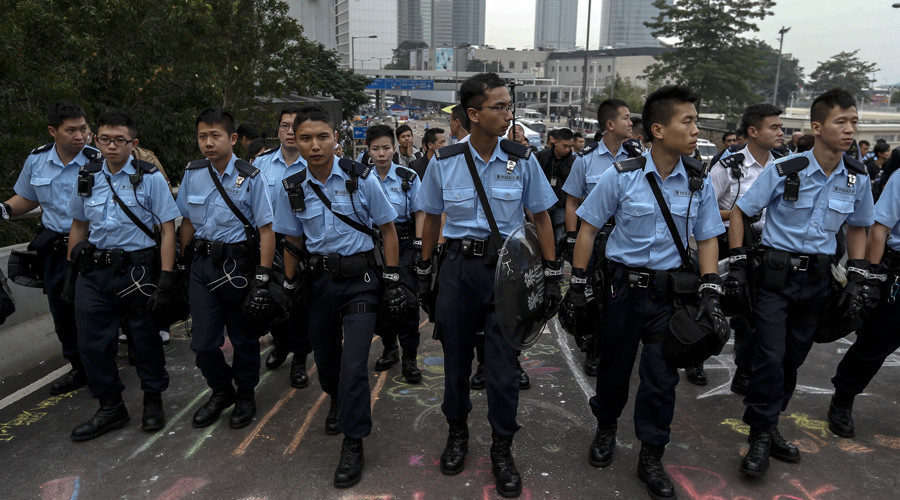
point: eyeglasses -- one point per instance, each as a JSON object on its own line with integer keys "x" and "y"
{"x": 120, "y": 141}
{"x": 500, "y": 108}
{"x": 286, "y": 126}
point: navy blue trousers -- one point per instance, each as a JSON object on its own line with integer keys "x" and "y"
{"x": 880, "y": 336}
{"x": 63, "y": 313}
{"x": 407, "y": 327}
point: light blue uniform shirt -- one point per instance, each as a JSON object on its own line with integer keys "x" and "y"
{"x": 325, "y": 233}
{"x": 641, "y": 237}
{"x": 403, "y": 202}
{"x": 199, "y": 201}
{"x": 587, "y": 169}
{"x": 110, "y": 227}
{"x": 46, "y": 180}
{"x": 887, "y": 210}
{"x": 272, "y": 164}
{"x": 447, "y": 187}
{"x": 809, "y": 224}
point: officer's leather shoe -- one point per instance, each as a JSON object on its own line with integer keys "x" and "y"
{"x": 591, "y": 365}
{"x": 244, "y": 409}
{"x": 756, "y": 462}
{"x": 154, "y": 418}
{"x": 217, "y": 403}
{"x": 71, "y": 381}
{"x": 651, "y": 472}
{"x": 522, "y": 377}
{"x": 350, "y": 468}
{"x": 782, "y": 449}
{"x": 477, "y": 383}
{"x": 453, "y": 459}
{"x": 331, "y": 421}
{"x": 696, "y": 375}
{"x": 410, "y": 371}
{"x": 840, "y": 420}
{"x": 389, "y": 358}
{"x": 740, "y": 384}
{"x": 507, "y": 479}
{"x": 299, "y": 377}
{"x": 111, "y": 415}
{"x": 601, "y": 452}
{"x": 276, "y": 358}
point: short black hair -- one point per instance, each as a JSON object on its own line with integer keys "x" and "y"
{"x": 255, "y": 146}
{"x": 565, "y": 134}
{"x": 881, "y": 147}
{"x": 727, "y": 133}
{"x": 216, "y": 116}
{"x": 430, "y": 136}
{"x": 660, "y": 106}
{"x": 553, "y": 133}
{"x": 805, "y": 143}
{"x": 312, "y": 113}
{"x": 115, "y": 118}
{"x": 880, "y": 140}
{"x": 578, "y": 135}
{"x": 293, "y": 109}
{"x": 473, "y": 91}
{"x": 63, "y": 110}
{"x": 248, "y": 130}
{"x": 608, "y": 110}
{"x": 860, "y": 143}
{"x": 823, "y": 104}
{"x": 755, "y": 114}
{"x": 380, "y": 130}
{"x": 458, "y": 113}
{"x": 637, "y": 126}
{"x": 403, "y": 129}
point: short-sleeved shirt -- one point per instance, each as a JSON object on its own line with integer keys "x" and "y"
{"x": 887, "y": 211}
{"x": 326, "y": 233}
{"x": 402, "y": 201}
{"x": 641, "y": 237}
{"x": 447, "y": 188}
{"x": 728, "y": 189}
{"x": 46, "y": 180}
{"x": 588, "y": 168}
{"x": 110, "y": 227}
{"x": 272, "y": 164}
{"x": 199, "y": 201}
{"x": 809, "y": 224}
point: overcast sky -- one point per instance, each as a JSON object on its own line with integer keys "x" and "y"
{"x": 818, "y": 29}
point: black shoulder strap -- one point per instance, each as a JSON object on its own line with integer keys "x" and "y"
{"x": 90, "y": 168}
{"x": 482, "y": 197}
{"x": 633, "y": 148}
{"x": 41, "y": 149}
{"x": 144, "y": 167}
{"x": 355, "y": 169}
{"x": 733, "y": 164}
{"x": 514, "y": 149}
{"x": 667, "y": 215}
{"x": 92, "y": 154}
{"x": 854, "y": 165}
{"x": 630, "y": 164}
{"x": 451, "y": 150}
{"x": 346, "y": 220}
{"x": 695, "y": 170}
{"x": 153, "y": 235}
{"x": 249, "y": 230}
{"x": 245, "y": 169}
{"x": 791, "y": 165}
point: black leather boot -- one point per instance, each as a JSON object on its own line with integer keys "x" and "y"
{"x": 740, "y": 384}
{"x": 299, "y": 377}
{"x": 71, "y": 381}
{"x": 477, "y": 383}
{"x": 111, "y": 415}
{"x": 153, "y": 418}
{"x": 389, "y": 357}
{"x": 651, "y": 472}
{"x": 410, "y": 371}
{"x": 276, "y": 358}
{"x": 350, "y": 468}
{"x": 840, "y": 418}
{"x": 507, "y": 479}
{"x": 522, "y": 377}
{"x": 453, "y": 459}
{"x": 244, "y": 409}
{"x": 696, "y": 375}
{"x": 756, "y": 462}
{"x": 782, "y": 449}
{"x": 591, "y": 365}
{"x": 601, "y": 451}
{"x": 217, "y": 403}
{"x": 331, "y": 421}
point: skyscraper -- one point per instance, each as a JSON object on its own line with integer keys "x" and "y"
{"x": 468, "y": 22}
{"x": 554, "y": 24}
{"x": 317, "y": 19}
{"x": 441, "y": 22}
{"x": 622, "y": 23}
{"x": 353, "y": 18}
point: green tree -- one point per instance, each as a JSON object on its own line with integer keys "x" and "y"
{"x": 845, "y": 70}
{"x": 480, "y": 65}
{"x": 400, "y": 59}
{"x": 789, "y": 80}
{"x": 710, "y": 57}
{"x": 626, "y": 90}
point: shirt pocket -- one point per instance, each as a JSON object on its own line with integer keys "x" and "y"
{"x": 223, "y": 215}
{"x": 458, "y": 203}
{"x": 507, "y": 205}
{"x": 43, "y": 188}
{"x": 637, "y": 220}
{"x": 590, "y": 182}
{"x": 311, "y": 221}
{"x": 796, "y": 214}
{"x": 94, "y": 208}
{"x": 130, "y": 202}
{"x": 838, "y": 211}
{"x": 680, "y": 214}
{"x": 399, "y": 202}
{"x": 347, "y": 210}
{"x": 197, "y": 207}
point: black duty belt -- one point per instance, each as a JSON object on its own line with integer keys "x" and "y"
{"x": 405, "y": 230}
{"x": 641, "y": 277}
{"x": 801, "y": 263}
{"x": 468, "y": 247}
{"x": 117, "y": 257}
{"x": 209, "y": 248}
{"x": 346, "y": 266}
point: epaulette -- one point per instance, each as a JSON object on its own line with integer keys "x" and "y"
{"x": 630, "y": 164}
{"x": 144, "y": 166}
{"x": 353, "y": 168}
{"x": 245, "y": 169}
{"x": 588, "y": 150}
{"x": 451, "y": 150}
{"x": 735, "y": 148}
{"x": 406, "y": 173}
{"x": 267, "y": 152}
{"x": 197, "y": 164}
{"x": 855, "y": 165}
{"x": 732, "y": 162}
{"x": 41, "y": 149}
{"x": 693, "y": 166}
{"x": 365, "y": 159}
{"x": 791, "y": 165}
{"x": 633, "y": 148}
{"x": 91, "y": 168}
{"x": 92, "y": 154}
{"x": 514, "y": 148}
{"x": 294, "y": 179}
{"x": 779, "y": 152}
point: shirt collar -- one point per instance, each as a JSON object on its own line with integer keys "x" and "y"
{"x": 814, "y": 166}
{"x": 651, "y": 167}
{"x": 498, "y": 153}
{"x": 392, "y": 172}
{"x": 602, "y": 149}
{"x": 128, "y": 169}
{"x": 279, "y": 156}
{"x": 749, "y": 160}
{"x": 336, "y": 170}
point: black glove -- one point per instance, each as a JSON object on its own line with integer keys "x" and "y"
{"x": 293, "y": 294}
{"x": 259, "y": 304}
{"x": 68, "y": 288}
{"x": 166, "y": 293}
{"x": 5, "y": 211}
{"x": 736, "y": 284}
{"x": 862, "y": 292}
{"x": 567, "y": 246}
{"x": 424, "y": 272}
{"x": 573, "y": 310}
{"x": 417, "y": 250}
{"x": 552, "y": 291}
{"x": 396, "y": 294}
{"x": 710, "y": 290}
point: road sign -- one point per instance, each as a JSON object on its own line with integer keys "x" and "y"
{"x": 360, "y": 132}
{"x": 400, "y": 84}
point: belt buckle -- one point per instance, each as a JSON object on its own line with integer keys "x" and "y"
{"x": 478, "y": 248}
{"x": 638, "y": 279}
{"x": 801, "y": 263}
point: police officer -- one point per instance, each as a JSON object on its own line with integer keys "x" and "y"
{"x": 641, "y": 256}
{"x": 878, "y": 337}
{"x": 589, "y": 165}
{"x": 225, "y": 250}
{"x": 48, "y": 179}
{"x": 807, "y": 198}
{"x": 556, "y": 162}
{"x": 511, "y": 180}
{"x": 288, "y": 336}
{"x": 731, "y": 178}
{"x": 333, "y": 204}
{"x": 401, "y": 185}
{"x": 118, "y": 201}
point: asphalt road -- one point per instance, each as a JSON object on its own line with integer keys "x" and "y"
{"x": 285, "y": 453}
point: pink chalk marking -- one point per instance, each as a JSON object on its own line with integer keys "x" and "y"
{"x": 64, "y": 488}
{"x": 417, "y": 460}
{"x": 183, "y": 487}
{"x": 680, "y": 474}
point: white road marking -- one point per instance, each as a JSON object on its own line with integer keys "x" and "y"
{"x": 30, "y": 388}
{"x": 563, "y": 339}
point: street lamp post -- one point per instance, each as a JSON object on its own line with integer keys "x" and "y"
{"x": 352, "y": 42}
{"x": 781, "y": 33}
{"x": 587, "y": 44}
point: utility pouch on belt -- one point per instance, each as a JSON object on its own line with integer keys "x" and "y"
{"x": 775, "y": 269}
{"x": 43, "y": 240}
{"x": 684, "y": 283}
